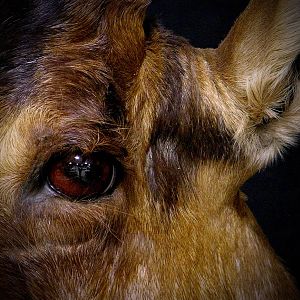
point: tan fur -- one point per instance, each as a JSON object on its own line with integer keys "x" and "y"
{"x": 194, "y": 130}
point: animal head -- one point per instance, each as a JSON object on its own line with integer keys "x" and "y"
{"x": 123, "y": 149}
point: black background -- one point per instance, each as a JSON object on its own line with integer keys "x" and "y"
{"x": 274, "y": 193}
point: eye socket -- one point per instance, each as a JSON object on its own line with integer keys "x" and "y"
{"x": 83, "y": 176}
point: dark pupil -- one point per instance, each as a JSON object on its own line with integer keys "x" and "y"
{"x": 82, "y": 176}
{"x": 84, "y": 170}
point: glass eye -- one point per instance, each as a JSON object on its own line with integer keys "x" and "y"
{"x": 83, "y": 176}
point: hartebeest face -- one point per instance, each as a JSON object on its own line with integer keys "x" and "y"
{"x": 123, "y": 149}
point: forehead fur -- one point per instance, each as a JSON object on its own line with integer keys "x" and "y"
{"x": 83, "y": 37}
{"x": 82, "y": 53}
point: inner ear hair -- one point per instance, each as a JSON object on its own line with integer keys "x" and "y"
{"x": 296, "y": 66}
{"x": 277, "y": 108}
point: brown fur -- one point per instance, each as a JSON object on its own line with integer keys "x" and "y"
{"x": 189, "y": 126}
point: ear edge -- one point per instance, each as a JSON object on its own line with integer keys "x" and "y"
{"x": 260, "y": 64}
{"x": 261, "y": 40}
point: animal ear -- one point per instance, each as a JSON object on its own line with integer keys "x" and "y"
{"x": 259, "y": 61}
{"x": 126, "y": 35}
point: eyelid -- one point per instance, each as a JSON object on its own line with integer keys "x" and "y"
{"x": 37, "y": 177}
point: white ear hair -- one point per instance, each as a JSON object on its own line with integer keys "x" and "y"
{"x": 261, "y": 55}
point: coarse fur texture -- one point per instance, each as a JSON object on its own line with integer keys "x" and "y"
{"x": 188, "y": 126}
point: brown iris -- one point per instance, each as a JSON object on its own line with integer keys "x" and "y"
{"x": 82, "y": 176}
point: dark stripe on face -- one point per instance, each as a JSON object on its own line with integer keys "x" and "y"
{"x": 183, "y": 135}
{"x": 114, "y": 106}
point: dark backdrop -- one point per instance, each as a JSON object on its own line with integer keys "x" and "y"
{"x": 274, "y": 193}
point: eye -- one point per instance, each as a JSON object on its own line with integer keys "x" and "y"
{"x": 83, "y": 176}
